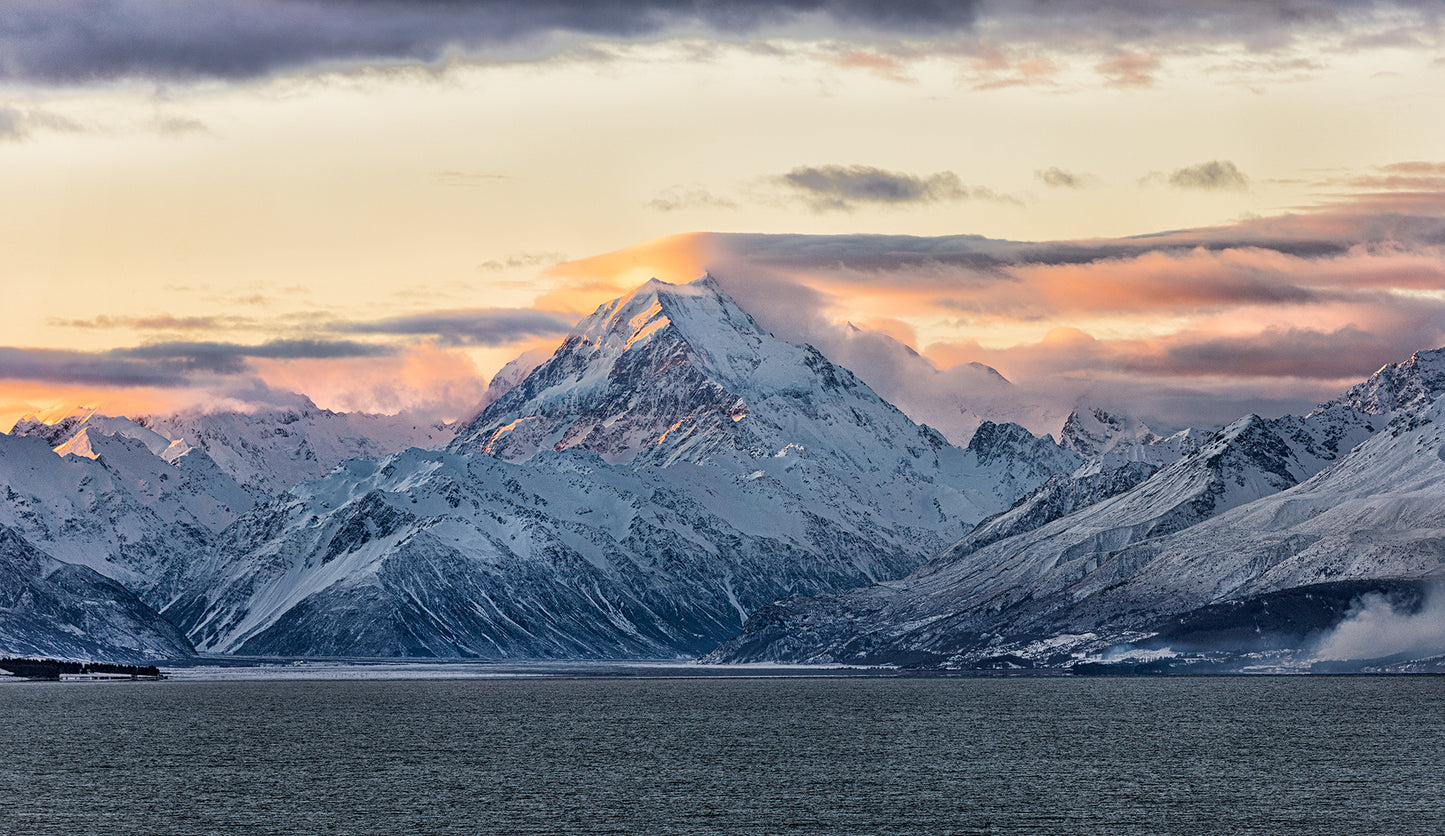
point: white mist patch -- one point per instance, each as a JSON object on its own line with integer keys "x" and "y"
{"x": 1376, "y": 628}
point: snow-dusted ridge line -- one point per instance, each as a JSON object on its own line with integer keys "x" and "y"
{"x": 1348, "y": 494}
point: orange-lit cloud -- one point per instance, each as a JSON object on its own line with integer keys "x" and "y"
{"x": 994, "y": 68}
{"x": 1266, "y": 313}
{"x": 423, "y": 378}
{"x": 51, "y": 401}
{"x": 1219, "y": 318}
{"x": 584, "y": 284}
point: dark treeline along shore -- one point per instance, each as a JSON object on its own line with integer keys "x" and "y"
{"x": 51, "y": 669}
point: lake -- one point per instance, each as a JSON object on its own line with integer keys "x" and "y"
{"x": 636, "y": 755}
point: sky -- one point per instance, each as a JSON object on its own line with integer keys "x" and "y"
{"x": 1184, "y": 212}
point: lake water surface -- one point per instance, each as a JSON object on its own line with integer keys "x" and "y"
{"x": 1229, "y": 755}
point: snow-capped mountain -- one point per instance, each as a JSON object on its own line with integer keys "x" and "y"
{"x": 681, "y": 375}
{"x": 53, "y": 609}
{"x": 110, "y": 503}
{"x": 71, "y": 434}
{"x": 670, "y": 468}
{"x": 272, "y": 450}
{"x": 1262, "y": 506}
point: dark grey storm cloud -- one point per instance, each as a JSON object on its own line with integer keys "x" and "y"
{"x": 1299, "y": 353}
{"x": 1216, "y": 175}
{"x": 838, "y": 187}
{"x": 77, "y": 41}
{"x": 492, "y": 327}
{"x": 169, "y": 364}
{"x": 86, "y": 40}
{"x": 1257, "y": 24}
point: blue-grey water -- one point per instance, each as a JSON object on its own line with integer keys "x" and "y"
{"x": 1287, "y": 755}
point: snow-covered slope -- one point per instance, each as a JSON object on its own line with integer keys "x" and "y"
{"x": 435, "y": 554}
{"x": 53, "y": 609}
{"x": 1374, "y": 514}
{"x": 670, "y": 468}
{"x": 72, "y": 433}
{"x": 271, "y": 451}
{"x": 1211, "y": 525}
{"x": 120, "y": 509}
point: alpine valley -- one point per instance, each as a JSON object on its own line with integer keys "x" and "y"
{"x": 674, "y": 481}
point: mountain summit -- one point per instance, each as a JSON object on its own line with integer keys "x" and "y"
{"x": 672, "y": 467}
{"x": 682, "y": 374}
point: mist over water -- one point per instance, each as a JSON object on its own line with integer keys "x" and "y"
{"x": 1314, "y": 755}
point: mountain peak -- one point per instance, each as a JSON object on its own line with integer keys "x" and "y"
{"x": 700, "y": 312}
{"x": 1395, "y": 386}
{"x": 1092, "y": 432}
{"x": 658, "y": 363}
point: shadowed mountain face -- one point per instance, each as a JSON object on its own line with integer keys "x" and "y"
{"x": 60, "y": 610}
{"x": 1263, "y": 506}
{"x": 670, "y": 468}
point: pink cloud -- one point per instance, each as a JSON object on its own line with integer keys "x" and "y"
{"x": 1131, "y": 69}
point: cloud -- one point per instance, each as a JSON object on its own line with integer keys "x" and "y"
{"x": 1215, "y": 175}
{"x": 176, "y": 126}
{"x": 158, "y": 322}
{"x": 85, "y": 41}
{"x": 1185, "y": 327}
{"x": 488, "y": 327}
{"x": 836, "y": 187}
{"x": 993, "y": 67}
{"x": 1254, "y": 72}
{"x": 101, "y": 368}
{"x": 427, "y": 380}
{"x": 166, "y": 364}
{"x": 1414, "y": 175}
{"x": 88, "y": 40}
{"x": 467, "y": 178}
{"x": 1131, "y": 69}
{"x": 1061, "y": 179}
{"x": 881, "y": 65}
{"x": 231, "y": 358}
{"x": 520, "y": 260}
{"x": 19, "y": 123}
{"x": 689, "y": 197}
